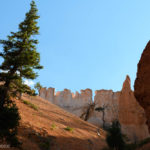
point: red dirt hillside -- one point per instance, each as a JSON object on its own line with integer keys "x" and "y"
{"x": 52, "y": 128}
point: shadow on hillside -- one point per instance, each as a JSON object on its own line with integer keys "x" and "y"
{"x": 40, "y": 140}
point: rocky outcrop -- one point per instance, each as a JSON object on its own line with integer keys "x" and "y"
{"x": 131, "y": 115}
{"x": 142, "y": 82}
{"x": 77, "y": 103}
{"x": 47, "y": 94}
{"x": 120, "y": 106}
{"x": 106, "y": 101}
{"x": 107, "y": 106}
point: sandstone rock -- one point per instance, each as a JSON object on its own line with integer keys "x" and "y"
{"x": 47, "y": 93}
{"x": 63, "y": 98}
{"x": 123, "y": 107}
{"x": 107, "y": 100}
{"x": 112, "y": 105}
{"x": 75, "y": 103}
{"x": 50, "y": 94}
{"x": 131, "y": 115}
{"x": 142, "y": 82}
{"x": 42, "y": 92}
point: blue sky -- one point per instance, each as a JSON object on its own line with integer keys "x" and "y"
{"x": 85, "y": 43}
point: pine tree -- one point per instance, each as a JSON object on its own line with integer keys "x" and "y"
{"x": 20, "y": 59}
{"x": 38, "y": 86}
{"x": 115, "y": 139}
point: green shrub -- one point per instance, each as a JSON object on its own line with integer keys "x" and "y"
{"x": 30, "y": 105}
{"x": 44, "y": 145}
{"x": 53, "y": 126}
{"x": 69, "y": 129}
{"x": 116, "y": 140}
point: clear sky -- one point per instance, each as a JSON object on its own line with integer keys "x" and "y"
{"x": 85, "y": 43}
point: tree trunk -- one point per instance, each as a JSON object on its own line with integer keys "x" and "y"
{"x": 103, "y": 118}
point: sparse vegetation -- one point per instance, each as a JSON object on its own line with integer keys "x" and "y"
{"x": 69, "y": 129}
{"x": 44, "y": 142}
{"x": 33, "y": 106}
{"x": 53, "y": 126}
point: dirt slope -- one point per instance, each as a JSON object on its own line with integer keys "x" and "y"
{"x": 45, "y": 128}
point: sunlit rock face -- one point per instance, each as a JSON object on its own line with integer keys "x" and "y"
{"x": 131, "y": 115}
{"x": 107, "y": 101}
{"x": 106, "y": 107}
{"x": 75, "y": 103}
{"x": 142, "y": 82}
{"x": 42, "y": 93}
{"x": 47, "y": 93}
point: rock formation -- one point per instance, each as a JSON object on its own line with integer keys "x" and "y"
{"x": 107, "y": 106}
{"x": 142, "y": 82}
{"x": 107, "y": 101}
{"x": 75, "y": 103}
{"x": 47, "y": 94}
{"x": 131, "y": 115}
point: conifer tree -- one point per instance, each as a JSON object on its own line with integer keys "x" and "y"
{"x": 115, "y": 139}
{"x": 20, "y": 59}
{"x": 38, "y": 86}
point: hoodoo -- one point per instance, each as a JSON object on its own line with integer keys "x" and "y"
{"x": 131, "y": 115}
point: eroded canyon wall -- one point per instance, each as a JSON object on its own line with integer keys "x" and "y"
{"x": 107, "y": 102}
{"x": 142, "y": 82}
{"x": 74, "y": 103}
{"x": 107, "y": 106}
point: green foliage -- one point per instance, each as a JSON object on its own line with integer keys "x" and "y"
{"x": 30, "y": 105}
{"x": 17, "y": 88}
{"x": 38, "y": 86}
{"x": 44, "y": 144}
{"x": 69, "y": 129}
{"x": 20, "y": 55}
{"x": 143, "y": 142}
{"x": 20, "y": 59}
{"x": 9, "y": 117}
{"x": 53, "y": 126}
{"x": 134, "y": 146}
{"x": 100, "y": 109}
{"x": 115, "y": 139}
{"x": 130, "y": 146}
{"x": 19, "y": 52}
